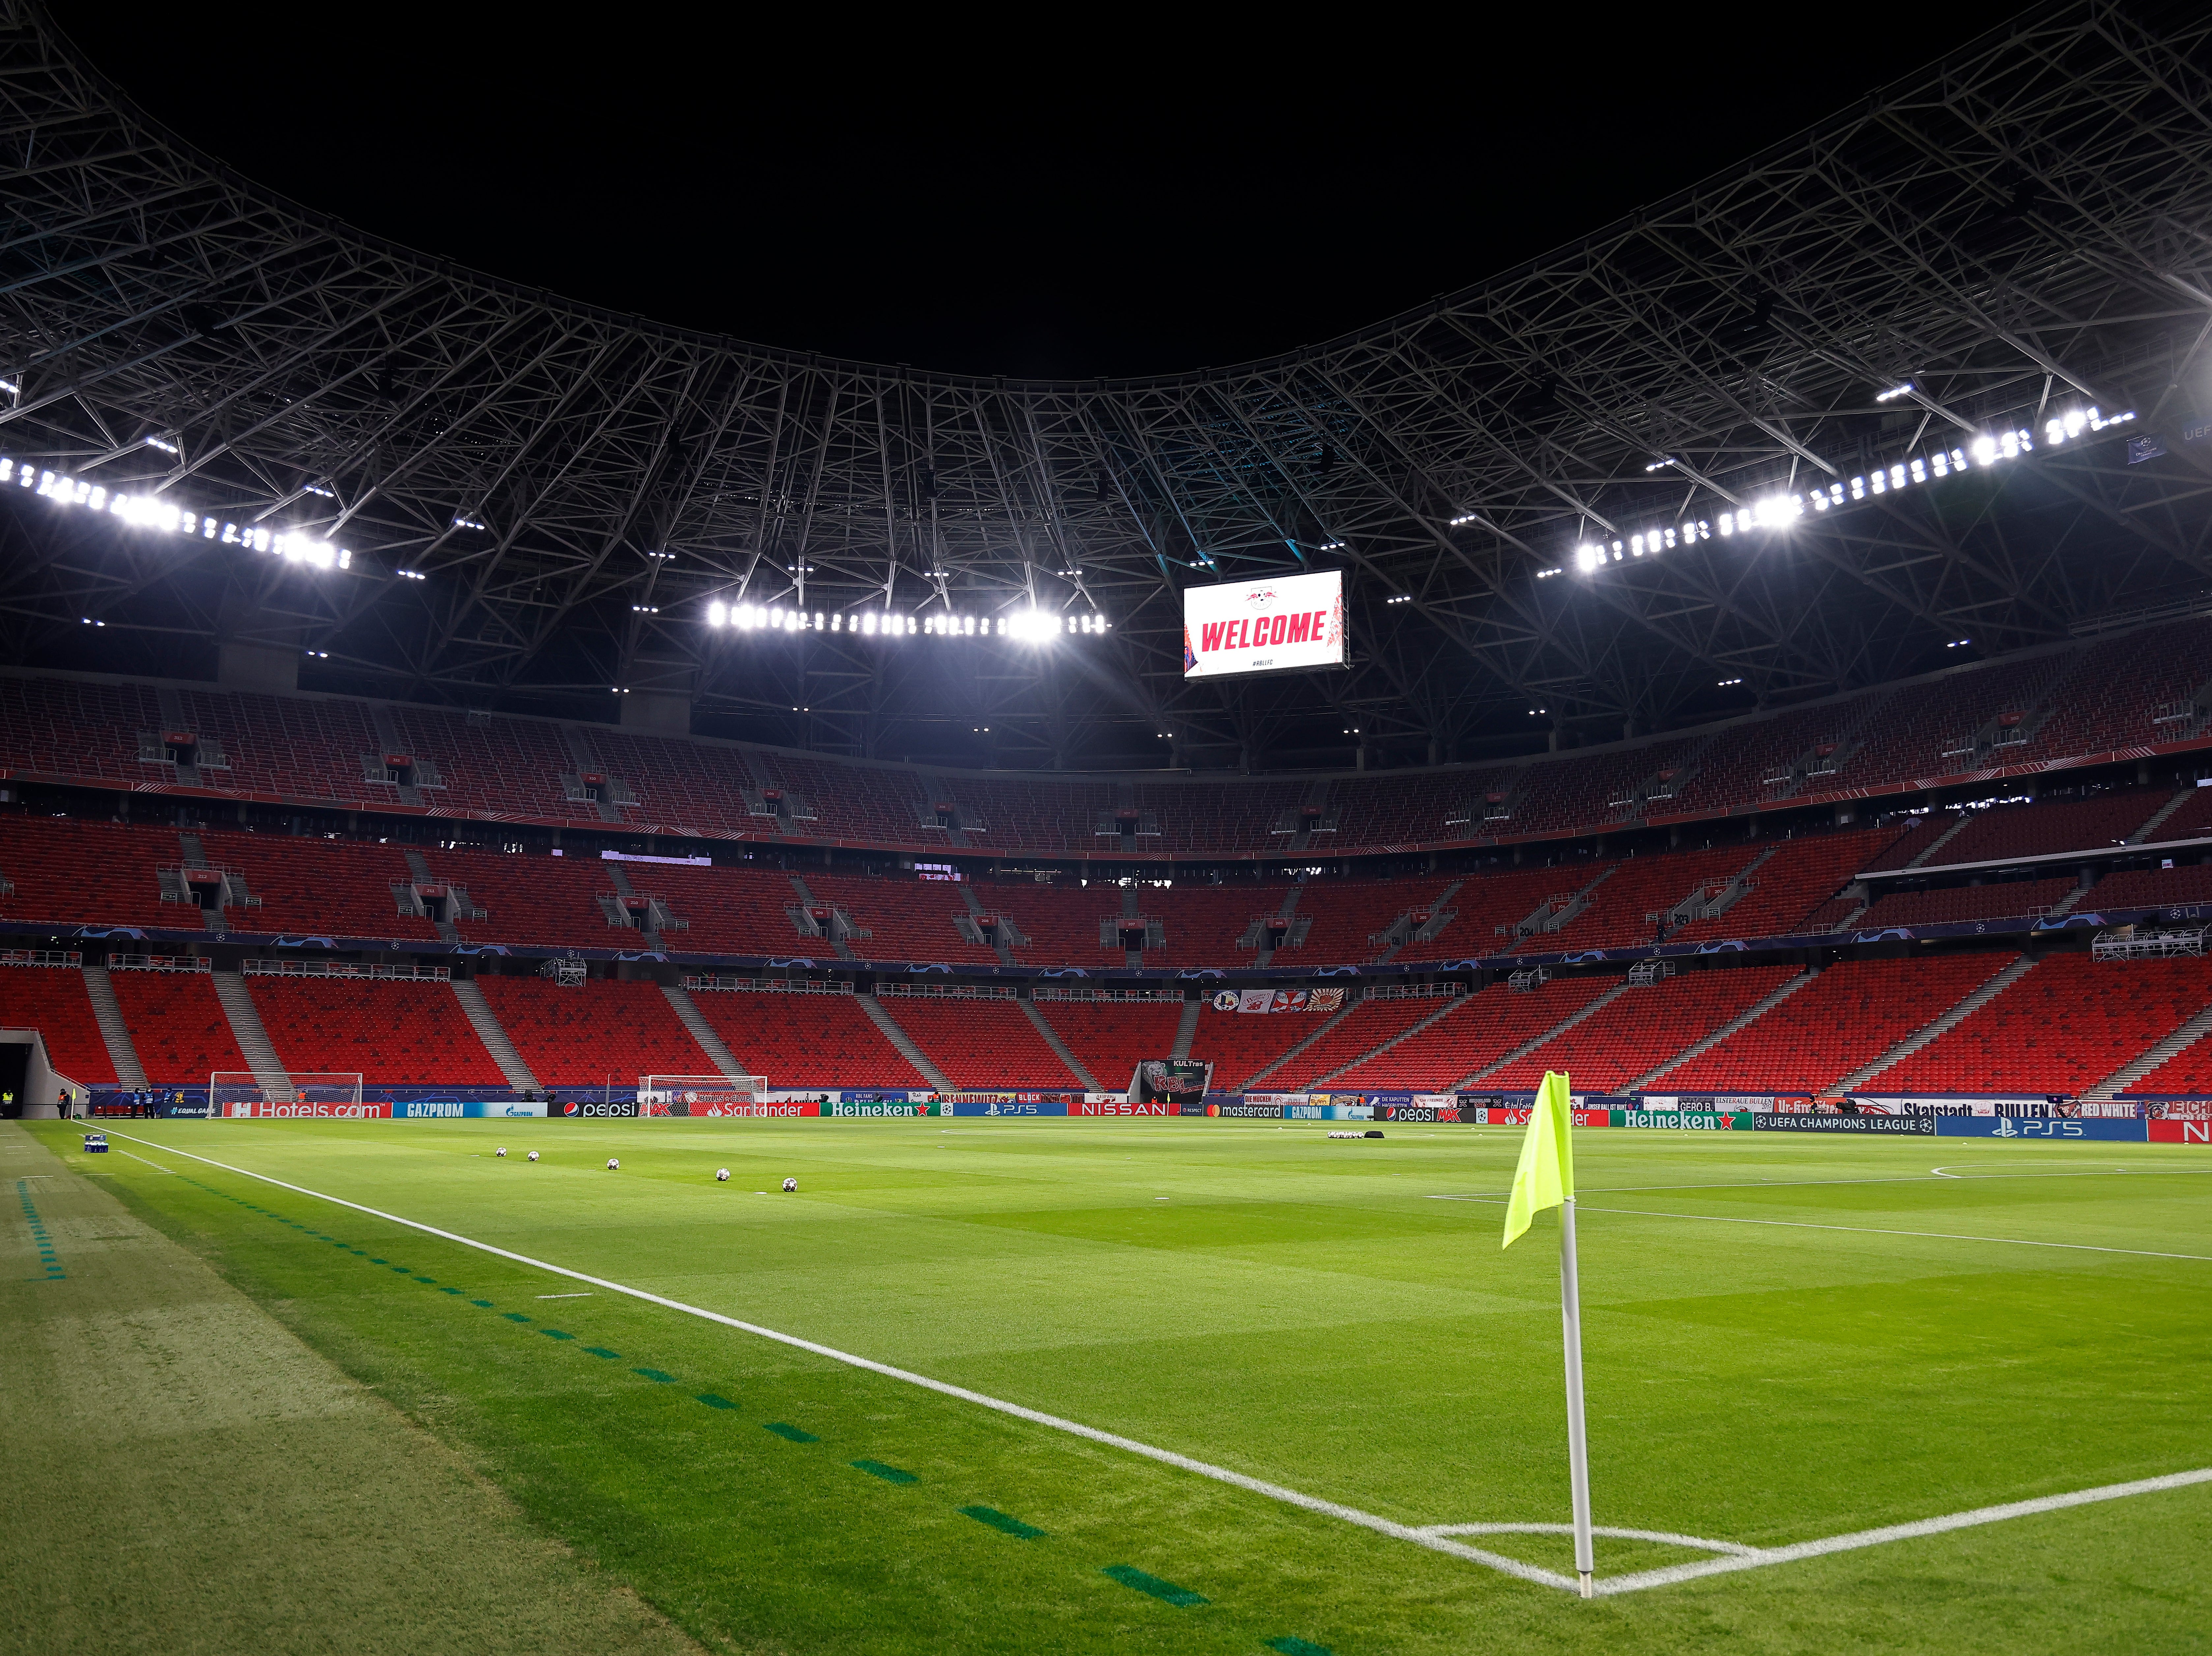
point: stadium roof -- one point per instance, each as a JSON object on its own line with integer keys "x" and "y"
{"x": 539, "y": 500}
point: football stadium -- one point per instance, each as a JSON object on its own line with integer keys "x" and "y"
{"x": 1195, "y": 1011}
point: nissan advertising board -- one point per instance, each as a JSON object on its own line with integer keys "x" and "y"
{"x": 1285, "y": 624}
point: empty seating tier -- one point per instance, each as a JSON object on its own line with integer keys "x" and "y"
{"x": 2066, "y": 1024}
{"x": 1479, "y": 1031}
{"x": 1640, "y": 1029}
{"x": 395, "y": 1033}
{"x": 807, "y": 1040}
{"x": 2094, "y": 699}
{"x": 601, "y": 1034}
{"x": 2009, "y": 900}
{"x": 178, "y": 1026}
{"x": 1111, "y": 1038}
{"x": 1240, "y": 1045}
{"x": 1845, "y": 1018}
{"x": 981, "y": 1043}
{"x": 53, "y": 1000}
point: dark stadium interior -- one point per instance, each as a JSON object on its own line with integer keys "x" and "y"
{"x": 1788, "y": 570}
{"x": 807, "y": 817}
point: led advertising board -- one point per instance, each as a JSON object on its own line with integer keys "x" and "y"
{"x": 1285, "y": 624}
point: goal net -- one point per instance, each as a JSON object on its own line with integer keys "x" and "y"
{"x": 700, "y": 1094}
{"x": 327, "y": 1092}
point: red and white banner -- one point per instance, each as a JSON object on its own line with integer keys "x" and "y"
{"x": 2180, "y": 1132}
{"x": 1117, "y": 1107}
{"x": 1281, "y": 624}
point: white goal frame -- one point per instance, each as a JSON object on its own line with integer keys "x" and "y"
{"x": 692, "y": 1091}
{"x": 241, "y": 1093}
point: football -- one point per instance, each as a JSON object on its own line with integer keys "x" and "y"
{"x": 533, "y": 1155}
{"x": 791, "y": 1184}
{"x": 721, "y": 1175}
{"x": 613, "y": 1162}
{"x": 502, "y": 1150}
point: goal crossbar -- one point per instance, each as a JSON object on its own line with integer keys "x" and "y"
{"x": 300, "y": 1092}
{"x": 700, "y": 1090}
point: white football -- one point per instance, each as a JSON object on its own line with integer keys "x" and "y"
{"x": 721, "y": 1175}
{"x": 791, "y": 1184}
{"x": 502, "y": 1150}
{"x": 613, "y": 1162}
{"x": 533, "y": 1155}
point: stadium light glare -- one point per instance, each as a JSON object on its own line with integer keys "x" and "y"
{"x": 1780, "y": 511}
{"x": 166, "y": 448}
{"x": 1903, "y": 388}
{"x": 468, "y": 523}
{"x": 2060, "y": 429}
{"x": 147, "y": 511}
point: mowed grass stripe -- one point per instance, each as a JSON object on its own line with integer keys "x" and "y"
{"x": 1349, "y": 1515}
{"x": 1736, "y": 1310}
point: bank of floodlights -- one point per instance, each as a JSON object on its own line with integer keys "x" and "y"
{"x": 168, "y": 518}
{"x": 1027, "y": 626}
{"x": 1780, "y": 511}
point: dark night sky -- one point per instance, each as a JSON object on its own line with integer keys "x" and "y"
{"x": 1111, "y": 198}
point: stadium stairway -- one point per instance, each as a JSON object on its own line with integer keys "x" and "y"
{"x": 1186, "y": 1030}
{"x": 881, "y": 1017}
{"x": 2171, "y": 1047}
{"x": 486, "y": 1023}
{"x": 1445, "y": 1010}
{"x": 114, "y": 1030}
{"x": 1943, "y": 1026}
{"x": 1919, "y": 858}
{"x": 725, "y": 1061}
{"x": 245, "y": 1028}
{"x": 1742, "y": 1020}
{"x": 1060, "y": 1048}
{"x": 1289, "y": 1052}
{"x": 2150, "y": 828}
{"x": 1552, "y": 1033}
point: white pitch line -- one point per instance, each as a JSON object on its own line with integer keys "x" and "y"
{"x": 1429, "y": 1537}
{"x": 157, "y": 1166}
{"x": 1381, "y": 1526}
{"x": 1762, "y": 1556}
{"x": 1857, "y": 1230}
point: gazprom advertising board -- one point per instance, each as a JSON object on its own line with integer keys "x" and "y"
{"x": 1285, "y": 624}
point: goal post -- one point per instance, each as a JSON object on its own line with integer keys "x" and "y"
{"x": 661, "y": 1095}
{"x": 310, "y": 1092}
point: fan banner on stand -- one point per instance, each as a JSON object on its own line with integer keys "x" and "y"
{"x": 1171, "y": 1080}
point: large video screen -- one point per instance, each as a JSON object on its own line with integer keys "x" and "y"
{"x": 1287, "y": 623}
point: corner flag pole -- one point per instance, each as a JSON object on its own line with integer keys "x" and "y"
{"x": 1571, "y": 1317}
{"x": 1546, "y": 1179}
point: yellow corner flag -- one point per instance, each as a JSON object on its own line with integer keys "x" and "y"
{"x": 1546, "y": 1176}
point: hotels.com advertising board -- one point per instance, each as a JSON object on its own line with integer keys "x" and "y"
{"x": 1285, "y": 624}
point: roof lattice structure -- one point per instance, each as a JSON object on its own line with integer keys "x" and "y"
{"x": 2019, "y": 230}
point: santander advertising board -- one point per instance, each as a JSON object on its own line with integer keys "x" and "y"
{"x": 1284, "y": 624}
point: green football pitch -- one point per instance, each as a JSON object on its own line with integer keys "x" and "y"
{"x": 1330, "y": 1395}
